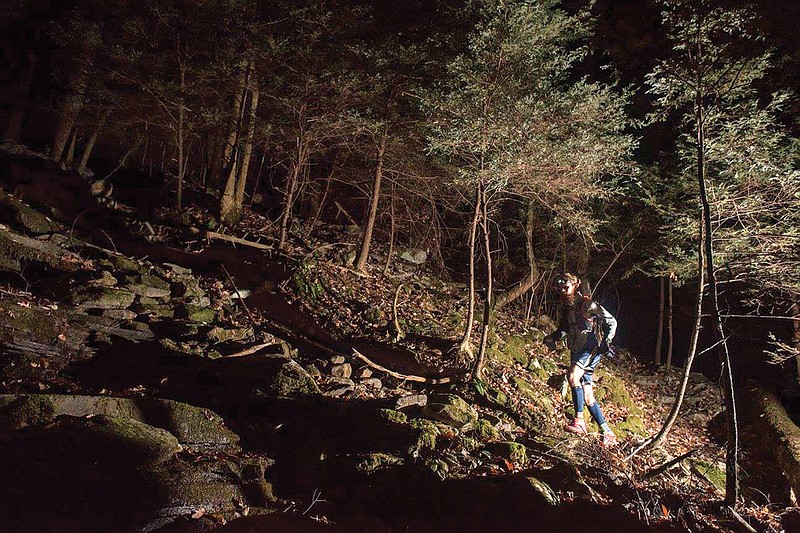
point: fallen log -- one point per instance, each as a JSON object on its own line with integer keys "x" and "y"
{"x": 780, "y": 434}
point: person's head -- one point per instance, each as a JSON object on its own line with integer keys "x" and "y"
{"x": 567, "y": 285}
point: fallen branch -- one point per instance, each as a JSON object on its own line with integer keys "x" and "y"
{"x": 236, "y": 240}
{"x": 405, "y": 377}
{"x": 669, "y": 464}
{"x": 739, "y": 518}
{"x": 241, "y": 300}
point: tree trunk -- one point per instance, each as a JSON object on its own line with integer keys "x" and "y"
{"x": 291, "y": 189}
{"x": 392, "y": 231}
{"x": 87, "y": 151}
{"x": 465, "y": 346}
{"x": 687, "y": 365}
{"x": 480, "y": 361}
{"x": 258, "y": 176}
{"x": 366, "y": 239}
{"x": 69, "y": 155}
{"x": 180, "y": 133}
{"x": 732, "y": 452}
{"x": 321, "y": 205}
{"x": 660, "y": 336}
{"x": 247, "y": 152}
{"x": 670, "y": 333}
{"x": 530, "y": 280}
{"x": 796, "y": 337}
{"x": 22, "y": 98}
{"x": 234, "y": 126}
{"x": 70, "y": 109}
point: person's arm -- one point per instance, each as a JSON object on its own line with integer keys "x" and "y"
{"x": 608, "y": 319}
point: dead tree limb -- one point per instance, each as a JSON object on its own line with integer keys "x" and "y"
{"x": 398, "y": 375}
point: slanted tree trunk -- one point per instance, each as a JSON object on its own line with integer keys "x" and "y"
{"x": 392, "y": 231}
{"x": 526, "y": 284}
{"x": 22, "y": 98}
{"x": 732, "y": 451}
{"x": 366, "y": 238}
{"x": 87, "y": 150}
{"x": 480, "y": 361}
{"x": 70, "y": 109}
{"x": 247, "y": 152}
{"x": 465, "y": 346}
{"x": 69, "y": 155}
{"x": 687, "y": 365}
{"x": 660, "y": 336}
{"x": 670, "y": 333}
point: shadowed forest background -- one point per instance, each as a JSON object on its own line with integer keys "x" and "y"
{"x": 651, "y": 147}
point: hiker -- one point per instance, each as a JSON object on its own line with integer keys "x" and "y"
{"x": 589, "y": 330}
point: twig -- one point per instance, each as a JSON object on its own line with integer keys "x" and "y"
{"x": 405, "y": 377}
{"x": 739, "y": 518}
{"x": 251, "y": 350}
{"x": 114, "y": 246}
{"x": 237, "y": 240}
{"x": 399, "y": 333}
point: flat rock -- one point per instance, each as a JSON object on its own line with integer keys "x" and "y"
{"x": 103, "y": 298}
{"x": 411, "y": 400}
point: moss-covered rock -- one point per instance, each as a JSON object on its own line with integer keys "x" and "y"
{"x": 513, "y": 451}
{"x": 712, "y": 472}
{"x": 491, "y": 394}
{"x": 159, "y": 310}
{"x": 393, "y": 416}
{"x": 426, "y": 435}
{"x": 196, "y": 313}
{"x": 24, "y": 218}
{"x": 613, "y": 390}
{"x": 536, "y": 408}
{"x": 103, "y": 298}
{"x": 292, "y": 381}
{"x": 543, "y": 489}
{"x": 513, "y": 349}
{"x": 18, "y": 412}
{"x": 630, "y": 425}
{"x": 377, "y": 461}
{"x": 120, "y": 263}
{"x": 485, "y": 430}
{"x": 541, "y": 368}
{"x": 450, "y": 409}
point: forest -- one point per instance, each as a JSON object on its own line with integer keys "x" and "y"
{"x": 291, "y": 265}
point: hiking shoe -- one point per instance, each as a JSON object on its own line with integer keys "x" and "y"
{"x": 609, "y": 439}
{"x": 578, "y": 426}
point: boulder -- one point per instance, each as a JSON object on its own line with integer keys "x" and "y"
{"x": 24, "y": 218}
{"x": 343, "y": 370}
{"x": 451, "y": 410}
{"x": 193, "y": 426}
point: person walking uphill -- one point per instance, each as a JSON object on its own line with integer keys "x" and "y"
{"x": 588, "y": 329}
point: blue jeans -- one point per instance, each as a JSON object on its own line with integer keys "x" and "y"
{"x": 587, "y": 361}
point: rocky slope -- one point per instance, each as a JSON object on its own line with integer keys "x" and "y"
{"x": 156, "y": 377}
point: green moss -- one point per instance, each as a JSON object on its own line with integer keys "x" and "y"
{"x": 218, "y": 334}
{"x": 377, "y": 461}
{"x": 393, "y": 416}
{"x": 103, "y": 298}
{"x": 484, "y": 430}
{"x": 425, "y": 441}
{"x": 713, "y": 472}
{"x": 17, "y": 412}
{"x": 123, "y": 264}
{"x": 196, "y": 313}
{"x": 513, "y": 451}
{"x": 513, "y": 349}
{"x": 613, "y": 390}
{"x": 491, "y": 394}
{"x": 631, "y": 425}
{"x": 289, "y": 382}
{"x": 450, "y": 409}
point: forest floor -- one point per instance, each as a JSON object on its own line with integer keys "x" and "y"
{"x": 381, "y": 337}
